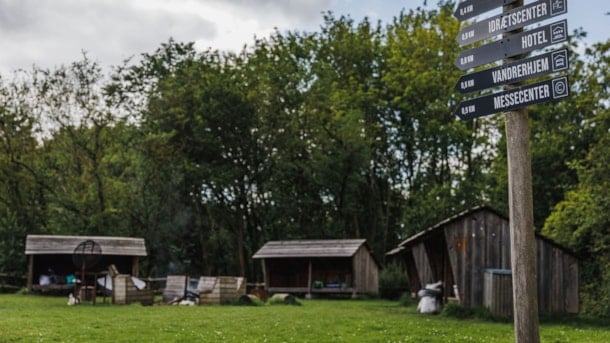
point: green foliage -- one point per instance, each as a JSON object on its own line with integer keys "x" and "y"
{"x": 284, "y": 300}
{"x": 407, "y": 300}
{"x": 393, "y": 282}
{"x": 581, "y": 220}
{"x": 12, "y": 241}
{"x": 340, "y": 133}
{"x": 460, "y": 312}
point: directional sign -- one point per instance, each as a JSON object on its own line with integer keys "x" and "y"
{"x": 509, "y": 100}
{"x": 472, "y": 8}
{"x": 521, "y": 70}
{"x": 514, "y": 45}
{"x": 512, "y": 20}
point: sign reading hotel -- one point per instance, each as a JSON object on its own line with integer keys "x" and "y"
{"x": 514, "y": 45}
{"x": 513, "y": 99}
{"x": 518, "y": 71}
{"x": 512, "y": 20}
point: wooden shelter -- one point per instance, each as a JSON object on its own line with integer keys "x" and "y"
{"x": 470, "y": 253}
{"x": 319, "y": 266}
{"x": 51, "y": 254}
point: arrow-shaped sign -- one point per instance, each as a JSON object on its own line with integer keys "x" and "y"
{"x": 514, "y": 45}
{"x": 472, "y": 8}
{"x": 509, "y": 100}
{"x": 512, "y": 20}
{"x": 518, "y": 71}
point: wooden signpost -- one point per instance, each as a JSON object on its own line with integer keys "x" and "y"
{"x": 513, "y": 101}
{"x": 513, "y": 45}
{"x": 511, "y": 20}
{"x": 514, "y": 72}
{"x": 472, "y": 8}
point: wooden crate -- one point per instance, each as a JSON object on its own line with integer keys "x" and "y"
{"x": 220, "y": 290}
{"x": 125, "y": 292}
{"x": 227, "y": 286}
{"x": 175, "y": 287}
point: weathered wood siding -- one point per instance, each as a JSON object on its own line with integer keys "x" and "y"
{"x": 58, "y": 244}
{"x": 287, "y": 266}
{"x": 478, "y": 240}
{"x": 558, "y": 279}
{"x": 55, "y": 252}
{"x": 422, "y": 265}
{"x": 498, "y": 293}
{"x": 475, "y": 243}
{"x": 366, "y": 272}
{"x": 124, "y": 292}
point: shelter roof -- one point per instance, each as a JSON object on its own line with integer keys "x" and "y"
{"x": 437, "y": 229}
{"x": 55, "y": 244}
{"x": 310, "y": 248}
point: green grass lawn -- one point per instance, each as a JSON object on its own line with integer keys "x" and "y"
{"x": 30, "y": 318}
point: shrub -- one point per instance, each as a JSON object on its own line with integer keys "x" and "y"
{"x": 393, "y": 282}
{"x": 407, "y": 300}
{"x": 461, "y": 312}
{"x": 284, "y": 299}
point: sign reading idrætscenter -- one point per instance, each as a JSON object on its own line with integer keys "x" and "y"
{"x": 521, "y": 70}
{"x": 509, "y": 100}
{"x": 512, "y": 20}
{"x": 515, "y": 45}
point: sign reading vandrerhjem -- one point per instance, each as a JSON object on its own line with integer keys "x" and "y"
{"x": 513, "y": 45}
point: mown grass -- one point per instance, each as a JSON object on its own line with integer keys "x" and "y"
{"x": 30, "y": 318}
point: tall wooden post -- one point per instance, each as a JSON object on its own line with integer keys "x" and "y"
{"x": 309, "y": 281}
{"x": 523, "y": 241}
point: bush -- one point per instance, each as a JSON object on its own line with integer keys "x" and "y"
{"x": 461, "y": 312}
{"x": 284, "y": 299}
{"x": 393, "y": 282}
{"x": 407, "y": 300}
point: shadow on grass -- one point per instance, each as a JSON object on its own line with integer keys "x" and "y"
{"x": 548, "y": 319}
{"x": 578, "y": 321}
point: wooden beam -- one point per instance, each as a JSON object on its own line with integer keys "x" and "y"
{"x": 30, "y": 272}
{"x": 521, "y": 217}
{"x": 265, "y": 276}
{"x": 135, "y": 269}
{"x": 309, "y": 280}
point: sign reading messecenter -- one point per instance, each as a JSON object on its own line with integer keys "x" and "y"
{"x": 514, "y": 45}
{"x": 518, "y": 71}
{"x": 512, "y": 20}
{"x": 509, "y": 100}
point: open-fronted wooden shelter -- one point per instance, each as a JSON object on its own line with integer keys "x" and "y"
{"x": 51, "y": 254}
{"x": 319, "y": 266}
{"x": 472, "y": 251}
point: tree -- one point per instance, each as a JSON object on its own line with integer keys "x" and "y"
{"x": 580, "y": 220}
{"x": 440, "y": 163}
{"x": 22, "y": 201}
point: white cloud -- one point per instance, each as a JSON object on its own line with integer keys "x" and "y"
{"x": 49, "y": 33}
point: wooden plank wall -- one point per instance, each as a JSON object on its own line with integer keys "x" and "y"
{"x": 558, "y": 279}
{"x": 499, "y": 293}
{"x": 480, "y": 241}
{"x": 475, "y": 243}
{"x": 422, "y": 264}
{"x": 366, "y": 272}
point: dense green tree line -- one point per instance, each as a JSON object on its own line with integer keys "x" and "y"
{"x": 340, "y": 133}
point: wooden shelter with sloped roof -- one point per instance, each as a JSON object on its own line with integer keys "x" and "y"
{"x": 53, "y": 254}
{"x": 343, "y": 266}
{"x": 470, "y": 253}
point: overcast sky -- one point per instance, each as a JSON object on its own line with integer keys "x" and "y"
{"x": 53, "y": 32}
